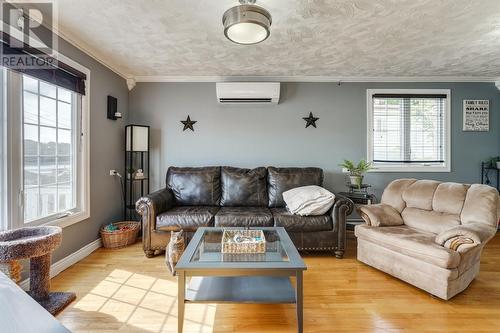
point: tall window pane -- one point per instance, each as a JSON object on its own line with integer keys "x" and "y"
{"x": 48, "y": 148}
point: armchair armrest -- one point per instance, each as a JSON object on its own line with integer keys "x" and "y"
{"x": 342, "y": 208}
{"x": 149, "y": 207}
{"x": 466, "y": 236}
{"x": 380, "y": 215}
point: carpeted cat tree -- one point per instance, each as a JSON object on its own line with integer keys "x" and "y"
{"x": 36, "y": 244}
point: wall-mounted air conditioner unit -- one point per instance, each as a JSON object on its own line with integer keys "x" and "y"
{"x": 248, "y": 92}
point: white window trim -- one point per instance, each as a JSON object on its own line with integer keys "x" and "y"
{"x": 84, "y": 179}
{"x": 408, "y": 168}
{"x": 14, "y": 215}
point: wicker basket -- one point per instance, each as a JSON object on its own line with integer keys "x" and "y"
{"x": 229, "y": 246}
{"x": 120, "y": 238}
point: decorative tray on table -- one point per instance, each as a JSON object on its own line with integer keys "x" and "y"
{"x": 243, "y": 241}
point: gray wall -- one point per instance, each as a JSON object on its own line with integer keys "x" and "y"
{"x": 250, "y": 136}
{"x": 106, "y": 152}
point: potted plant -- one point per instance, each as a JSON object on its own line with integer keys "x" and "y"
{"x": 495, "y": 162}
{"x": 356, "y": 172}
{"x": 130, "y": 173}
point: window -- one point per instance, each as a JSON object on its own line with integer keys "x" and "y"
{"x": 409, "y": 130}
{"x": 43, "y": 131}
{"x": 49, "y": 149}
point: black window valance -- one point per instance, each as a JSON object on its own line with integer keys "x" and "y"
{"x": 409, "y": 96}
{"x": 40, "y": 65}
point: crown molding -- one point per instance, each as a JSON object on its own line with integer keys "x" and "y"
{"x": 82, "y": 46}
{"x": 306, "y": 78}
{"x": 91, "y": 52}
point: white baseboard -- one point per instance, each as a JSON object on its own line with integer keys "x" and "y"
{"x": 68, "y": 261}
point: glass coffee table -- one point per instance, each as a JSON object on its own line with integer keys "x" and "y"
{"x": 240, "y": 278}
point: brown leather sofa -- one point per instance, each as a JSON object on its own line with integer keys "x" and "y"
{"x": 428, "y": 233}
{"x": 234, "y": 197}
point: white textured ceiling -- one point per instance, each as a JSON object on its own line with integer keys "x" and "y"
{"x": 336, "y": 38}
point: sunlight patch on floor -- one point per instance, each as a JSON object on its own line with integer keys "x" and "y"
{"x": 141, "y": 303}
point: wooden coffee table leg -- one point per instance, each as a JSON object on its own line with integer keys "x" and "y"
{"x": 181, "y": 281}
{"x": 299, "y": 299}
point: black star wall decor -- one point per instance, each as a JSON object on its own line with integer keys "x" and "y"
{"x": 188, "y": 124}
{"x": 311, "y": 120}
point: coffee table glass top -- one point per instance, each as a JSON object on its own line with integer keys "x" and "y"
{"x": 209, "y": 249}
{"x": 204, "y": 251}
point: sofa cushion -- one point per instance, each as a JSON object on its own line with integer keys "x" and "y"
{"x": 187, "y": 218}
{"x": 244, "y": 217}
{"x": 411, "y": 242}
{"x": 392, "y": 195}
{"x": 449, "y": 198}
{"x": 296, "y": 223}
{"x": 195, "y": 186}
{"x": 280, "y": 180}
{"x": 481, "y": 204}
{"x": 243, "y": 187}
{"x": 429, "y": 220}
{"x": 420, "y": 194}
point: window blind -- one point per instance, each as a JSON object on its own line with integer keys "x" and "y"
{"x": 57, "y": 72}
{"x": 409, "y": 128}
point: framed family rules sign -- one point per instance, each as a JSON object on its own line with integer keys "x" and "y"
{"x": 476, "y": 115}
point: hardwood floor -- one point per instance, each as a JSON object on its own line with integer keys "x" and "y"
{"x": 122, "y": 291}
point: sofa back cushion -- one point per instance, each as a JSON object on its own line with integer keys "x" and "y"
{"x": 481, "y": 205}
{"x": 434, "y": 206}
{"x": 280, "y": 180}
{"x": 449, "y": 198}
{"x": 195, "y": 186}
{"x": 429, "y": 220}
{"x": 243, "y": 187}
{"x": 393, "y": 193}
{"x": 420, "y": 194}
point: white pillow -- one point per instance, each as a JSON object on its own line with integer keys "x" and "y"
{"x": 308, "y": 200}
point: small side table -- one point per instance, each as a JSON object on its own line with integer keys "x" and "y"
{"x": 359, "y": 198}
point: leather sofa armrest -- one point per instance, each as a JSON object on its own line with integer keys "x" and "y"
{"x": 342, "y": 208}
{"x": 380, "y": 215}
{"x": 155, "y": 203}
{"x": 151, "y": 206}
{"x": 466, "y": 236}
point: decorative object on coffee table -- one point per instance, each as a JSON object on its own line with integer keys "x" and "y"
{"x": 311, "y": 120}
{"x": 136, "y": 158}
{"x": 36, "y": 244}
{"x": 243, "y": 241}
{"x": 120, "y": 234}
{"x": 175, "y": 249}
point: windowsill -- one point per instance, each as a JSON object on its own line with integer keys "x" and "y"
{"x": 64, "y": 221}
{"x": 410, "y": 168}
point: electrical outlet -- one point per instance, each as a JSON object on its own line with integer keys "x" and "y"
{"x": 112, "y": 172}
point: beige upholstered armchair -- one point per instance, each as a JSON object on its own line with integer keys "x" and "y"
{"x": 429, "y": 234}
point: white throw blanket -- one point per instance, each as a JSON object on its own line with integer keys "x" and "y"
{"x": 308, "y": 200}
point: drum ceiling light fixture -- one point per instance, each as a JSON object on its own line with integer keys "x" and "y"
{"x": 247, "y": 23}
